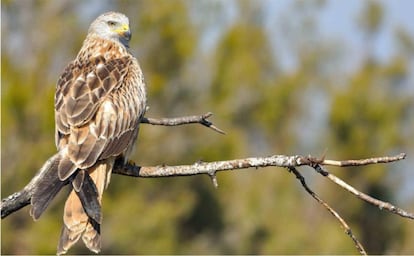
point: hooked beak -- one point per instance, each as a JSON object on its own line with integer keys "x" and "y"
{"x": 124, "y": 32}
{"x": 127, "y": 35}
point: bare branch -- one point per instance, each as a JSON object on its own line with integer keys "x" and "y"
{"x": 381, "y": 204}
{"x": 375, "y": 160}
{"x": 210, "y": 168}
{"x": 183, "y": 120}
{"x": 343, "y": 223}
{"x": 15, "y": 202}
{"x": 22, "y": 198}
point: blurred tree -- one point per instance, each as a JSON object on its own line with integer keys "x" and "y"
{"x": 371, "y": 18}
{"x": 28, "y": 76}
{"x": 366, "y": 119}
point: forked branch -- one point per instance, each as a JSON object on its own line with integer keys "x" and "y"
{"x": 367, "y": 198}
{"x": 22, "y": 198}
{"x": 343, "y": 223}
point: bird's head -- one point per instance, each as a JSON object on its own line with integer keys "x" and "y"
{"x": 112, "y": 26}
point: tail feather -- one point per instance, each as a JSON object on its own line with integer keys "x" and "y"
{"x": 77, "y": 182}
{"x": 75, "y": 221}
{"x": 48, "y": 185}
{"x": 65, "y": 168}
{"x": 82, "y": 214}
{"x": 92, "y": 236}
{"x": 89, "y": 197}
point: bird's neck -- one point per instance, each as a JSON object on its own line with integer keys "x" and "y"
{"x": 94, "y": 46}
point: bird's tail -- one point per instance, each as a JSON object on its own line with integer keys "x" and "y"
{"x": 81, "y": 217}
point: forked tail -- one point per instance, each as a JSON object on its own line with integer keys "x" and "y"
{"x": 78, "y": 222}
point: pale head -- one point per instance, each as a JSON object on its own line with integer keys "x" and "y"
{"x": 112, "y": 26}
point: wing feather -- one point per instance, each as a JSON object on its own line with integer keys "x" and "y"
{"x": 97, "y": 110}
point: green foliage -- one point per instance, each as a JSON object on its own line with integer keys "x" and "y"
{"x": 366, "y": 121}
{"x": 371, "y": 17}
{"x": 261, "y": 107}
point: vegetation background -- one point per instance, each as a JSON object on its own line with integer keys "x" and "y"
{"x": 282, "y": 77}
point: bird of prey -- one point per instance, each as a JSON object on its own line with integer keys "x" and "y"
{"x": 99, "y": 103}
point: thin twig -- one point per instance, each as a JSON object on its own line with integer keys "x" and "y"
{"x": 380, "y": 204}
{"x": 343, "y": 223}
{"x": 374, "y": 160}
{"x": 183, "y": 120}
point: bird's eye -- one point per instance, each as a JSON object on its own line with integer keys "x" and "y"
{"x": 111, "y": 23}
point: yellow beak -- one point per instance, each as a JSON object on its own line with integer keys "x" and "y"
{"x": 123, "y": 31}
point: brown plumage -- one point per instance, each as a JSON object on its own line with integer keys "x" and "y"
{"x": 99, "y": 102}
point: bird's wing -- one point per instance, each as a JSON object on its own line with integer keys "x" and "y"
{"x": 95, "y": 111}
